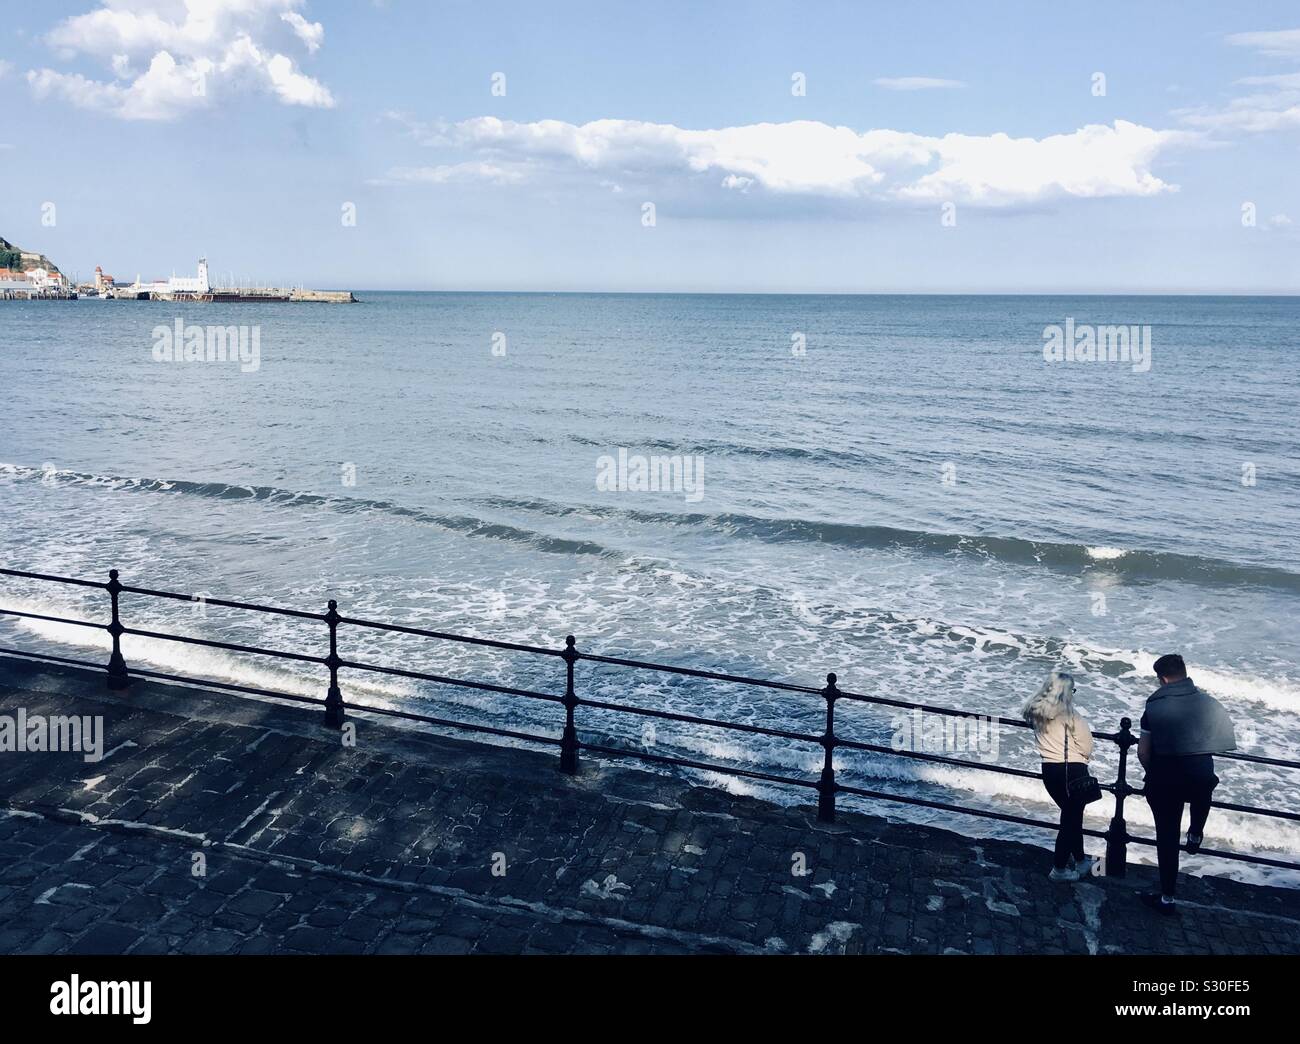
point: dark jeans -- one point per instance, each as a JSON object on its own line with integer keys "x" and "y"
{"x": 1171, "y": 783}
{"x": 1069, "y": 839}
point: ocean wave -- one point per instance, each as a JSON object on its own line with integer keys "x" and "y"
{"x": 192, "y": 660}
{"x": 1105, "y": 554}
{"x": 991, "y": 790}
{"x": 1227, "y": 684}
{"x": 1231, "y": 686}
{"x": 1077, "y": 559}
{"x": 1065, "y": 557}
{"x": 289, "y": 498}
{"x": 994, "y": 642}
{"x": 802, "y": 454}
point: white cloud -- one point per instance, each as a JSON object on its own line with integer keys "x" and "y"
{"x": 448, "y": 172}
{"x": 310, "y": 33}
{"x": 295, "y": 88}
{"x": 1278, "y": 43}
{"x": 5, "y": 68}
{"x": 158, "y": 93}
{"x": 810, "y": 158}
{"x": 915, "y": 83}
{"x": 167, "y": 59}
{"x": 1256, "y": 114}
{"x": 1285, "y": 81}
{"x": 1274, "y": 109}
{"x": 1094, "y": 161}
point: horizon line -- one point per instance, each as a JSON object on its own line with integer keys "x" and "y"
{"x": 1270, "y": 292}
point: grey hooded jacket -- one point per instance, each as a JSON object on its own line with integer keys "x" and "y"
{"x": 1181, "y": 720}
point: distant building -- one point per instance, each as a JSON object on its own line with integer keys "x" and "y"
{"x": 178, "y": 284}
{"x": 197, "y": 285}
{"x": 45, "y": 279}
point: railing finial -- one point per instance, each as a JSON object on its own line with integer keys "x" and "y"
{"x": 118, "y": 678}
{"x": 826, "y": 785}
{"x": 569, "y": 738}
{"x": 334, "y": 695}
{"x": 1117, "y": 832}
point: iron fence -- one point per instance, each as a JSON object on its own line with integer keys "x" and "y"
{"x": 570, "y": 746}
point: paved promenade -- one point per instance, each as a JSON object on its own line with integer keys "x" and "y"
{"x": 222, "y": 825}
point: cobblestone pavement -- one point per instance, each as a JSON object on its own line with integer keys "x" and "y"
{"x": 224, "y": 825}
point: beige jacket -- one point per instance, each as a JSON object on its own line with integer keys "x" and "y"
{"x": 1051, "y": 740}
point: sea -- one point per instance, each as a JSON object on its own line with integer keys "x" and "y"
{"x": 908, "y": 491}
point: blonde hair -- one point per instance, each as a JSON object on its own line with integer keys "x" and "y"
{"x": 1055, "y": 699}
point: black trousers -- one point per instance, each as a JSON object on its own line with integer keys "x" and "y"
{"x": 1171, "y": 783}
{"x": 1069, "y": 838}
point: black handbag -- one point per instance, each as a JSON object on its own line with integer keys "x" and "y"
{"x": 1084, "y": 789}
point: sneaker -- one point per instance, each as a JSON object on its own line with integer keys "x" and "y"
{"x": 1194, "y": 842}
{"x": 1157, "y": 902}
{"x": 1067, "y": 873}
{"x": 1084, "y": 867}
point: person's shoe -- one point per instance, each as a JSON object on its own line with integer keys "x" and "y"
{"x": 1194, "y": 842}
{"x": 1066, "y": 873}
{"x": 1158, "y": 902}
{"x": 1084, "y": 867}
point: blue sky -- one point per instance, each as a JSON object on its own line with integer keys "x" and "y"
{"x": 162, "y": 130}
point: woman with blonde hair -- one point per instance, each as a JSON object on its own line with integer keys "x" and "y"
{"x": 1065, "y": 744}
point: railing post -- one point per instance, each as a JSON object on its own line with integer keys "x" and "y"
{"x": 117, "y": 676}
{"x": 569, "y": 741}
{"x": 334, "y": 697}
{"x": 1117, "y": 835}
{"x": 826, "y": 786}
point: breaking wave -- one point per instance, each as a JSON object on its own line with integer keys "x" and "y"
{"x": 289, "y": 498}
{"x": 1064, "y": 557}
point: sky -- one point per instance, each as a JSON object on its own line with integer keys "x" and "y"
{"x": 722, "y": 146}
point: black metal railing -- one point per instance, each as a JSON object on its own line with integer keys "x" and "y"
{"x": 827, "y": 787}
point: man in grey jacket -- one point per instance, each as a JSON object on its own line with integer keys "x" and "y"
{"x": 1182, "y": 729}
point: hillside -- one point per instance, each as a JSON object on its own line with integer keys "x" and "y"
{"x": 18, "y": 260}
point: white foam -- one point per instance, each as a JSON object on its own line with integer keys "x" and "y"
{"x": 182, "y": 657}
{"x": 1225, "y": 684}
{"x": 1105, "y": 554}
{"x": 1021, "y": 794}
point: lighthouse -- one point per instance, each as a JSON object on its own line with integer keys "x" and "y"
{"x": 188, "y": 284}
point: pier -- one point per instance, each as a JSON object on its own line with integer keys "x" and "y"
{"x": 233, "y": 295}
{"x": 15, "y": 291}
{"x": 281, "y": 294}
{"x": 200, "y": 289}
